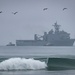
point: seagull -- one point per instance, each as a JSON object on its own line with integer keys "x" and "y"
{"x": 45, "y": 8}
{"x": 14, "y": 13}
{"x": 64, "y": 9}
{"x": 0, "y": 11}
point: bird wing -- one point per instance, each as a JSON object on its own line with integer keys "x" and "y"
{"x": 45, "y": 8}
{"x": 0, "y": 11}
{"x": 64, "y": 8}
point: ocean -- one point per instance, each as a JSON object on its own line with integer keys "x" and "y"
{"x": 37, "y": 60}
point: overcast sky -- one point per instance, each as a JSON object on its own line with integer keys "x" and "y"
{"x": 31, "y": 18}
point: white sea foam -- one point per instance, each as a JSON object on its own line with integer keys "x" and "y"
{"x": 22, "y": 64}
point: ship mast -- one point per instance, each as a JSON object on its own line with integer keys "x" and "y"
{"x": 57, "y": 27}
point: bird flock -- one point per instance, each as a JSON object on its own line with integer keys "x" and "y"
{"x": 47, "y": 8}
{"x": 43, "y": 10}
{"x": 12, "y": 12}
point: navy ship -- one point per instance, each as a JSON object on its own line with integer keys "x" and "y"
{"x": 10, "y": 44}
{"x": 52, "y": 38}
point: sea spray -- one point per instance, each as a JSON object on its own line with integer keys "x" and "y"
{"x": 22, "y": 64}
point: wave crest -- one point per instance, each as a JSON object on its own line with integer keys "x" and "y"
{"x": 22, "y": 64}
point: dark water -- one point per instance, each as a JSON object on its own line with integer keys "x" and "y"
{"x": 37, "y": 60}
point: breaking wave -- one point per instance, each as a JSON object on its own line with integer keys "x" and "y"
{"x": 22, "y": 64}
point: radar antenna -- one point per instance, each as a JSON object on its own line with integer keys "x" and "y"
{"x": 57, "y": 27}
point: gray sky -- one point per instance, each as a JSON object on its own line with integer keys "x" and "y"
{"x": 31, "y": 18}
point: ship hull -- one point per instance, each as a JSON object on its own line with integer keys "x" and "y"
{"x": 69, "y": 42}
{"x": 63, "y": 42}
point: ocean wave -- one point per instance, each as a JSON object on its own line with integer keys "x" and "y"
{"x": 60, "y": 63}
{"x": 22, "y": 64}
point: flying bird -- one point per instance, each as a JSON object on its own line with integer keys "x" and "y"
{"x": 14, "y": 13}
{"x": 0, "y": 11}
{"x": 64, "y": 9}
{"x": 45, "y": 8}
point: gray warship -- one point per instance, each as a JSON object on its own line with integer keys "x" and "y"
{"x": 10, "y": 44}
{"x": 52, "y": 38}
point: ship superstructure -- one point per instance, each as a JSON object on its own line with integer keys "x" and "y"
{"x": 52, "y": 38}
